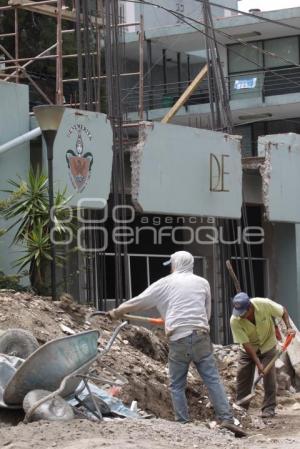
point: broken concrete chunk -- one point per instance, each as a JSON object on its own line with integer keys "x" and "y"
{"x": 67, "y": 330}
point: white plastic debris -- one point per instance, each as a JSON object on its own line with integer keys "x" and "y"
{"x": 133, "y": 406}
{"x": 212, "y": 424}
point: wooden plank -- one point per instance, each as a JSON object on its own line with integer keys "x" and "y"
{"x": 186, "y": 95}
{"x": 49, "y": 10}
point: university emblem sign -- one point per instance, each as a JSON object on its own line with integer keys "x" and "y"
{"x": 78, "y": 160}
{"x": 82, "y": 157}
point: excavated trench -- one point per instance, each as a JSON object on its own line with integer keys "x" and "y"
{"x": 138, "y": 354}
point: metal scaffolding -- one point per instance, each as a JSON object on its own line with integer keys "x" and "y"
{"x": 86, "y": 88}
{"x": 96, "y": 31}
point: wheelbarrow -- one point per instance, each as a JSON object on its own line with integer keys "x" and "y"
{"x": 58, "y": 366}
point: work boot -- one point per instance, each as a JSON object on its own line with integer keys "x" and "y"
{"x": 268, "y": 413}
{"x": 229, "y": 425}
{"x": 245, "y": 406}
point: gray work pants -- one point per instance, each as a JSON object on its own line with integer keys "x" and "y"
{"x": 196, "y": 348}
{"x": 245, "y": 376}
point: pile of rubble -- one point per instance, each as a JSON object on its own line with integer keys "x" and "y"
{"x": 287, "y": 368}
{"x": 138, "y": 354}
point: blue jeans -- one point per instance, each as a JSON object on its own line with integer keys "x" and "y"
{"x": 195, "y": 348}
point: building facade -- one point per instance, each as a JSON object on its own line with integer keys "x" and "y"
{"x": 261, "y": 75}
{"x": 263, "y": 83}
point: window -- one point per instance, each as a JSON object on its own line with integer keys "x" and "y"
{"x": 284, "y": 126}
{"x": 245, "y": 81}
{"x": 246, "y": 85}
{"x": 267, "y": 75}
{"x": 239, "y": 57}
{"x": 286, "y": 48}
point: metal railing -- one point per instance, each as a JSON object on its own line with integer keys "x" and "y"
{"x": 244, "y": 85}
{"x": 146, "y": 260}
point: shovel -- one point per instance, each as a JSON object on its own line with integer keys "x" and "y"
{"x": 143, "y": 319}
{"x": 247, "y": 398}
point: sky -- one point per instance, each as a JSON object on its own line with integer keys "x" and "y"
{"x": 267, "y": 5}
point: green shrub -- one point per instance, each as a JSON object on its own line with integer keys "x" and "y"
{"x": 28, "y": 205}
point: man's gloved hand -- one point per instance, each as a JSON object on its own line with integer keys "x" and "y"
{"x": 113, "y": 314}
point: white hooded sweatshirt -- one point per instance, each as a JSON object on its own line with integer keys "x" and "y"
{"x": 182, "y": 298}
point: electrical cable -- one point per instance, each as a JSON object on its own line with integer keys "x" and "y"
{"x": 183, "y": 17}
{"x": 239, "y": 41}
{"x": 249, "y": 14}
{"x": 229, "y": 36}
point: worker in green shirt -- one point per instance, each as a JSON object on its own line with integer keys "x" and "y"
{"x": 253, "y": 328}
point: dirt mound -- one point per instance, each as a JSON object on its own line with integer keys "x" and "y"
{"x": 150, "y": 344}
{"x": 138, "y": 354}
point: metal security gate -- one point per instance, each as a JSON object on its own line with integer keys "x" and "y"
{"x": 144, "y": 269}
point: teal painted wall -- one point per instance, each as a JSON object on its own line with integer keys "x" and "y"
{"x": 287, "y": 254}
{"x": 14, "y": 121}
{"x": 297, "y": 233}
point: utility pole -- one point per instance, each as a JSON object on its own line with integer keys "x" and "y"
{"x": 59, "y": 59}
{"x": 115, "y": 115}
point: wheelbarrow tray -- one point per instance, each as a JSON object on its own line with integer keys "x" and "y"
{"x": 8, "y": 367}
{"x": 50, "y": 364}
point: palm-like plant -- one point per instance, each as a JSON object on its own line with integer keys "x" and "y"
{"x": 29, "y": 207}
{"x": 30, "y": 212}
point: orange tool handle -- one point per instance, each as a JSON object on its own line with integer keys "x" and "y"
{"x": 144, "y": 319}
{"x": 288, "y": 340}
{"x": 157, "y": 321}
{"x": 267, "y": 368}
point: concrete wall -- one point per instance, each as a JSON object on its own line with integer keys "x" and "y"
{"x": 280, "y": 176}
{"x": 14, "y": 121}
{"x": 181, "y": 170}
{"x": 286, "y": 249}
{"x": 297, "y": 304}
{"x": 155, "y": 18}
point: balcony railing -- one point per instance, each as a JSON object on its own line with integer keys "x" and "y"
{"x": 260, "y": 84}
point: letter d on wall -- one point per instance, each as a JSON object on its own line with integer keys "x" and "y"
{"x": 214, "y": 173}
{"x": 217, "y": 172}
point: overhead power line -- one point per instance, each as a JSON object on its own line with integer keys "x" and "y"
{"x": 249, "y": 14}
{"x": 227, "y": 35}
{"x": 183, "y": 17}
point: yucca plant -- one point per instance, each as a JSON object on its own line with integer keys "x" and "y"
{"x": 28, "y": 206}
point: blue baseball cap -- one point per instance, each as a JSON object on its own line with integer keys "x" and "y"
{"x": 241, "y": 303}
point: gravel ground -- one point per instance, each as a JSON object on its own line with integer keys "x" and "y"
{"x": 141, "y": 356}
{"x": 148, "y": 434}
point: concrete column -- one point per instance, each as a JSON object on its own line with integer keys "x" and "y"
{"x": 287, "y": 253}
{"x": 297, "y": 305}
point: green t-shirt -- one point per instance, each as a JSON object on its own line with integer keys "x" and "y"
{"x": 262, "y": 334}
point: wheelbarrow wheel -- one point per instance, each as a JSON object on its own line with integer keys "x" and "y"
{"x": 18, "y": 342}
{"x": 55, "y": 409}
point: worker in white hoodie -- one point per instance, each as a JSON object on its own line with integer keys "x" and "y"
{"x": 184, "y": 301}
